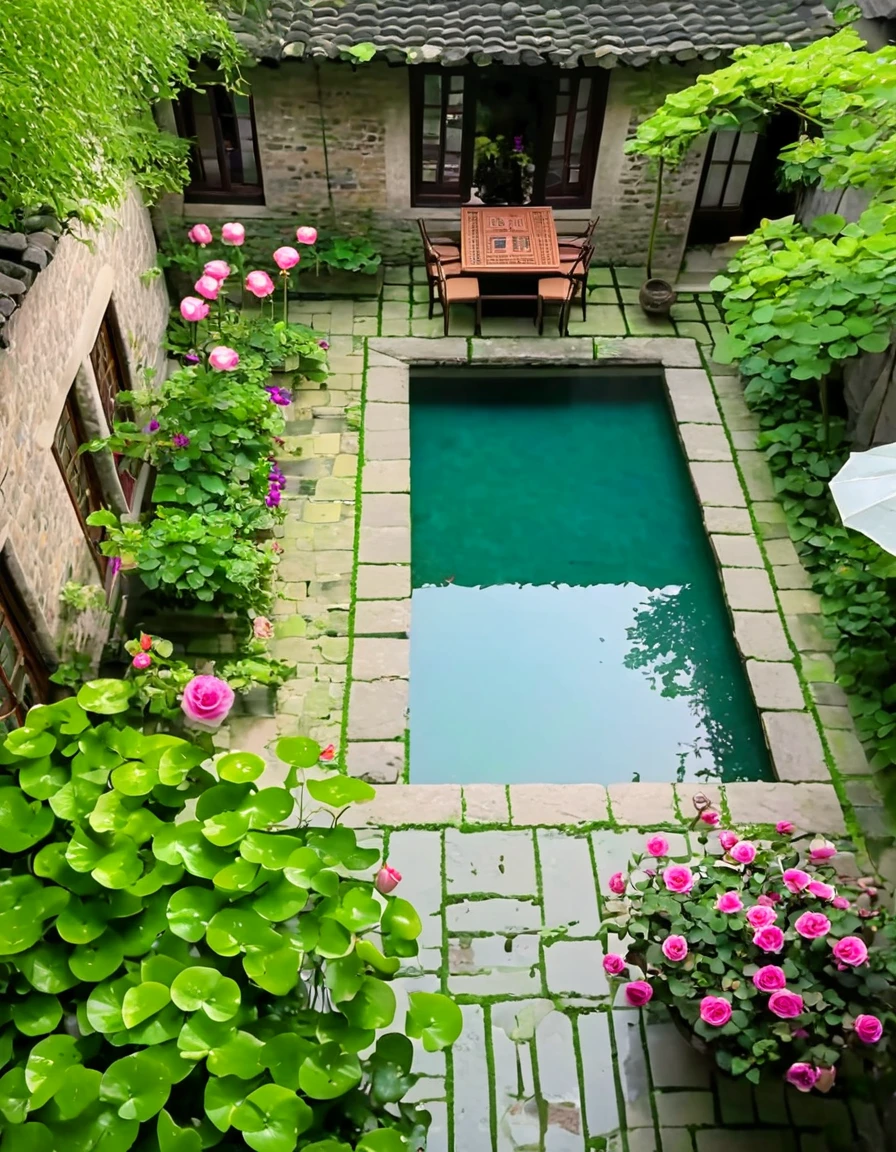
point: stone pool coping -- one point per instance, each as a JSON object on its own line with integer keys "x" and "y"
{"x": 776, "y": 618}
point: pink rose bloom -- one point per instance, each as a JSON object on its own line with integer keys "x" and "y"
{"x": 219, "y": 269}
{"x": 729, "y": 902}
{"x": 715, "y": 1010}
{"x": 193, "y": 310}
{"x": 208, "y": 287}
{"x": 821, "y": 890}
{"x": 802, "y": 1076}
{"x": 769, "y": 899}
{"x": 785, "y": 827}
{"x": 262, "y": 628}
{"x": 769, "y": 978}
{"x": 675, "y": 948}
{"x": 769, "y": 939}
{"x": 223, "y": 359}
{"x": 260, "y": 284}
{"x": 711, "y": 818}
{"x": 142, "y": 660}
{"x": 851, "y": 951}
{"x": 616, "y": 883}
{"x": 207, "y": 700}
{"x": 657, "y": 846}
{"x": 821, "y": 850}
{"x": 743, "y": 852}
{"x": 795, "y": 879}
{"x": 840, "y": 902}
{"x": 799, "y": 1033}
{"x": 760, "y": 916}
{"x": 613, "y": 964}
{"x": 233, "y": 234}
{"x": 200, "y": 234}
{"x": 811, "y": 925}
{"x": 728, "y": 839}
{"x": 638, "y": 992}
{"x": 306, "y": 234}
{"x": 678, "y": 878}
{"x": 868, "y": 1029}
{"x": 286, "y": 258}
{"x": 387, "y": 880}
{"x": 786, "y": 1005}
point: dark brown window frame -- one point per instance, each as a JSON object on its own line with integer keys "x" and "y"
{"x": 88, "y": 473}
{"x": 108, "y": 359}
{"x": 198, "y": 191}
{"x": 577, "y": 193}
{"x": 30, "y": 669}
{"x": 439, "y": 193}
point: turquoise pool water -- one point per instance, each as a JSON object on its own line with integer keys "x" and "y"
{"x": 567, "y": 622}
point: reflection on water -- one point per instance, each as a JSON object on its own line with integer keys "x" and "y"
{"x": 593, "y": 683}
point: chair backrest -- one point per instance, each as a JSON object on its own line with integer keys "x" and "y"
{"x": 576, "y": 272}
{"x": 587, "y": 255}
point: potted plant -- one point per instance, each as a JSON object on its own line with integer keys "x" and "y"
{"x": 767, "y": 959}
{"x": 656, "y": 296}
{"x": 503, "y": 170}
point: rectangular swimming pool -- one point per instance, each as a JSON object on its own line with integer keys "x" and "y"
{"x": 567, "y": 620}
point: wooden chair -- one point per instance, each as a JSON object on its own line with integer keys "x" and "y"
{"x": 568, "y": 262}
{"x": 458, "y": 290}
{"x": 433, "y": 254}
{"x": 573, "y": 243}
{"x": 559, "y": 290}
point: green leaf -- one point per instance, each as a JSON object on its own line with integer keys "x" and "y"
{"x": 298, "y": 751}
{"x": 223, "y": 1095}
{"x": 240, "y": 1056}
{"x": 382, "y": 1140}
{"x": 79, "y": 1090}
{"x": 270, "y": 849}
{"x": 47, "y": 1066}
{"x": 189, "y": 911}
{"x": 874, "y": 342}
{"x": 142, "y": 1002}
{"x": 206, "y": 989}
{"x": 107, "y": 697}
{"x": 338, "y": 791}
{"x": 200, "y": 1036}
{"x": 14, "y": 1095}
{"x": 234, "y": 930}
{"x": 400, "y": 919}
{"x": 134, "y": 778}
{"x": 34, "y": 745}
{"x": 271, "y": 1118}
{"x": 138, "y": 1085}
{"x": 36, "y": 1014}
{"x": 828, "y": 225}
{"x": 30, "y": 1137}
{"x": 173, "y": 1138}
{"x": 276, "y": 971}
{"x": 371, "y": 955}
{"x": 98, "y": 959}
{"x": 329, "y": 1072}
{"x": 434, "y": 1019}
{"x": 373, "y": 1006}
{"x": 240, "y": 767}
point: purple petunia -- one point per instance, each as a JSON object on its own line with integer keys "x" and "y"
{"x": 179, "y": 440}
{"x": 191, "y": 358}
{"x": 152, "y": 426}
{"x": 273, "y": 498}
{"x": 278, "y": 395}
{"x": 325, "y": 344}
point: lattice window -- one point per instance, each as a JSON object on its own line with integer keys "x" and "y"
{"x": 570, "y": 167}
{"x": 224, "y": 162}
{"x": 23, "y": 674}
{"x": 440, "y": 151}
{"x": 727, "y": 169}
{"x": 79, "y": 473}
{"x": 107, "y": 359}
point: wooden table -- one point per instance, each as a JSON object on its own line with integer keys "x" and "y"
{"x": 508, "y": 240}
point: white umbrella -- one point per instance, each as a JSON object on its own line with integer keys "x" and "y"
{"x": 864, "y": 491}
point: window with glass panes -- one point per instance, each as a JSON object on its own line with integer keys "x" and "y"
{"x": 440, "y": 159}
{"x": 727, "y": 169}
{"x": 224, "y": 162}
{"x": 107, "y": 359}
{"x": 78, "y": 472}
{"x": 570, "y": 166}
{"x": 23, "y": 674}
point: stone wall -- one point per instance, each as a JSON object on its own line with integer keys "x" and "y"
{"x": 366, "y": 118}
{"x": 50, "y": 340}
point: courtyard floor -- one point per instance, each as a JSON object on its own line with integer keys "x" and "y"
{"x": 510, "y": 882}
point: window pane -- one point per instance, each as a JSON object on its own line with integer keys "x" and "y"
{"x": 432, "y": 88}
{"x": 584, "y": 94}
{"x": 457, "y": 82}
{"x": 736, "y": 184}
{"x": 205, "y": 138}
{"x": 723, "y": 144}
{"x": 746, "y": 146}
{"x": 578, "y": 135}
{"x": 712, "y": 189}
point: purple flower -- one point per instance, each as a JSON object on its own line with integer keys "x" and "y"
{"x": 278, "y": 395}
{"x": 191, "y": 358}
{"x": 180, "y": 441}
{"x": 273, "y": 498}
{"x": 115, "y": 565}
{"x": 152, "y": 426}
{"x": 517, "y": 143}
{"x": 325, "y": 344}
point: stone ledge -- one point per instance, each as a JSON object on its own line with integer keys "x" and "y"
{"x": 408, "y": 804}
{"x": 795, "y": 747}
{"x": 812, "y": 807}
{"x": 532, "y": 350}
{"x": 378, "y": 761}
{"x": 485, "y": 804}
{"x": 418, "y": 349}
{"x": 670, "y": 352}
{"x": 643, "y": 804}
{"x": 761, "y": 635}
{"x": 557, "y": 804}
{"x": 775, "y": 685}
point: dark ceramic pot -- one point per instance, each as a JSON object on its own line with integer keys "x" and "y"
{"x": 656, "y": 297}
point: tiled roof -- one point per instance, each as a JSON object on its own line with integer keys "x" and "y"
{"x": 564, "y": 32}
{"x": 22, "y": 256}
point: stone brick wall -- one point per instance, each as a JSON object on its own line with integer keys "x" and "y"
{"x": 50, "y": 340}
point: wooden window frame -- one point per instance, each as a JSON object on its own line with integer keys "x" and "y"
{"x": 111, "y": 378}
{"x": 575, "y": 193}
{"x": 16, "y": 623}
{"x": 198, "y": 191}
{"x": 439, "y": 194}
{"x": 93, "y": 536}
{"x": 730, "y": 164}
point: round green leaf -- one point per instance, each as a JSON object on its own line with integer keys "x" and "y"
{"x": 30, "y": 1137}
{"x": 98, "y": 959}
{"x": 43, "y": 778}
{"x": 199, "y": 1036}
{"x": 223, "y": 1095}
{"x": 276, "y": 971}
{"x": 98, "y": 1128}
{"x": 382, "y": 1140}
{"x": 328, "y": 1072}
{"x": 178, "y": 761}
{"x": 79, "y": 1090}
{"x": 46, "y": 968}
{"x": 234, "y": 930}
{"x": 298, "y": 751}
{"x": 268, "y": 806}
{"x": 104, "y": 1004}
{"x": 283, "y": 1056}
{"x": 434, "y": 1019}
{"x": 390, "y": 1067}
{"x": 108, "y": 697}
{"x": 240, "y": 767}
{"x": 189, "y": 911}
{"x": 48, "y": 1062}
{"x": 371, "y": 955}
{"x": 280, "y": 900}
{"x": 271, "y": 1118}
{"x": 205, "y": 988}
{"x": 32, "y": 744}
{"x": 221, "y": 798}
{"x": 344, "y": 977}
{"x": 225, "y": 828}
{"x": 37, "y": 1014}
{"x": 236, "y": 877}
{"x": 138, "y": 1085}
{"x": 358, "y": 910}
{"x": 22, "y": 822}
{"x": 400, "y": 919}
{"x": 134, "y": 778}
{"x": 338, "y": 791}
{"x": 270, "y": 849}
{"x": 82, "y": 921}
{"x": 142, "y": 1002}
{"x": 302, "y": 865}
{"x": 240, "y": 1056}
{"x": 373, "y": 1006}
{"x": 333, "y": 940}
{"x": 173, "y": 1138}
{"x": 14, "y": 1095}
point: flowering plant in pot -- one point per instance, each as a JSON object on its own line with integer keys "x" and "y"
{"x": 766, "y": 957}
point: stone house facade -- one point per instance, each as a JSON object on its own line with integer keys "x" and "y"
{"x": 86, "y": 327}
{"x": 395, "y": 139}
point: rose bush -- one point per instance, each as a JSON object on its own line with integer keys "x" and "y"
{"x": 762, "y": 951}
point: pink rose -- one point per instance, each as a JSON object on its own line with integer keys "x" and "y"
{"x": 233, "y": 234}
{"x": 851, "y": 951}
{"x": 678, "y": 878}
{"x": 868, "y": 1029}
{"x": 657, "y": 846}
{"x": 821, "y": 890}
{"x": 142, "y": 661}
{"x": 769, "y": 978}
{"x": 387, "y": 880}
{"x": 306, "y": 234}
{"x": 218, "y": 269}
{"x": 760, "y": 916}
{"x": 795, "y": 879}
{"x": 208, "y": 287}
{"x": 711, "y": 818}
{"x": 715, "y": 1010}
{"x": 821, "y": 850}
{"x": 729, "y": 902}
{"x": 743, "y": 852}
{"x": 207, "y": 700}
{"x": 811, "y": 925}
{"x": 799, "y": 1033}
{"x": 616, "y": 883}
{"x": 223, "y": 359}
{"x": 785, "y": 827}
{"x": 262, "y": 628}
{"x": 259, "y": 284}
{"x": 787, "y": 1005}
{"x": 769, "y": 899}
{"x": 802, "y": 1076}
{"x": 728, "y": 839}
{"x": 613, "y": 964}
{"x": 769, "y": 939}
{"x": 674, "y": 948}
{"x": 840, "y": 902}
{"x": 286, "y": 258}
{"x": 193, "y": 310}
{"x": 638, "y": 992}
{"x": 200, "y": 234}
